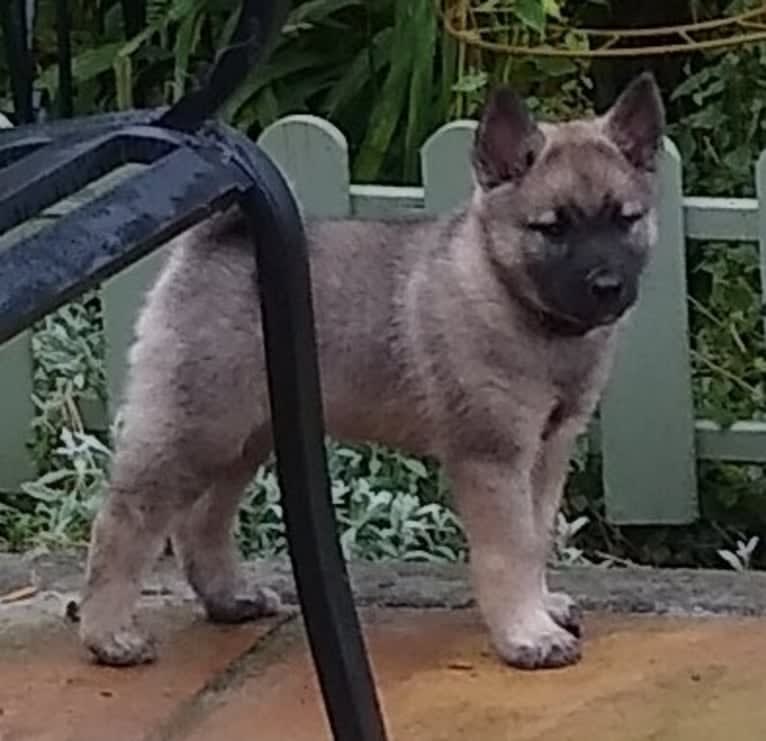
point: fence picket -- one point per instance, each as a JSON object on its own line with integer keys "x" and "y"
{"x": 121, "y": 299}
{"x": 18, "y": 410}
{"x": 647, "y": 428}
{"x": 760, "y": 186}
{"x": 647, "y": 415}
{"x": 446, "y": 165}
{"x": 313, "y": 156}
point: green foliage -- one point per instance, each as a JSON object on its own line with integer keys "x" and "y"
{"x": 59, "y": 506}
{"x": 721, "y": 129}
{"x": 390, "y": 83}
{"x": 389, "y": 506}
{"x": 721, "y": 133}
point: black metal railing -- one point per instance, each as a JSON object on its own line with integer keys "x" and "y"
{"x": 14, "y": 25}
{"x": 195, "y": 167}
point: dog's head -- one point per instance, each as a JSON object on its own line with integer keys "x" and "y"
{"x": 567, "y": 210}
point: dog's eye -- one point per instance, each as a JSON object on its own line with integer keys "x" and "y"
{"x": 626, "y": 216}
{"x": 551, "y": 226}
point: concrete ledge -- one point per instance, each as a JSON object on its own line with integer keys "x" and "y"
{"x": 617, "y": 590}
{"x": 675, "y": 676}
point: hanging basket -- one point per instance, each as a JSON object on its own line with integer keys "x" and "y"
{"x": 474, "y": 23}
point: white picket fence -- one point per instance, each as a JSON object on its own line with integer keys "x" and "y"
{"x": 649, "y": 438}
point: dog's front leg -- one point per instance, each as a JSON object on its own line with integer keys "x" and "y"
{"x": 548, "y": 479}
{"x": 508, "y": 555}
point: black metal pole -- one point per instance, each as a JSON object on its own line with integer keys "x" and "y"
{"x": 19, "y": 58}
{"x": 64, "y": 34}
{"x": 332, "y": 624}
{"x": 134, "y": 16}
{"x": 258, "y": 25}
{"x": 134, "y": 22}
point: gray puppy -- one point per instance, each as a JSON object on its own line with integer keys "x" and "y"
{"x": 483, "y": 338}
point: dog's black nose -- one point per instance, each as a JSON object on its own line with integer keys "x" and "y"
{"x": 606, "y": 286}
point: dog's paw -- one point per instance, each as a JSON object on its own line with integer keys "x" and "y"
{"x": 565, "y": 612}
{"x": 124, "y": 647}
{"x": 537, "y": 642}
{"x": 262, "y": 603}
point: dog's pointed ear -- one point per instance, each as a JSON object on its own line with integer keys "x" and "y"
{"x": 507, "y": 140}
{"x": 636, "y": 121}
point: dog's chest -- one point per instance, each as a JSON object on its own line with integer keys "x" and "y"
{"x": 577, "y": 378}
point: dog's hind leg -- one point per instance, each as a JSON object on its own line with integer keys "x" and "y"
{"x": 204, "y": 543}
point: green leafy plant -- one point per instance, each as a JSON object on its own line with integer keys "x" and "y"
{"x": 740, "y": 558}
{"x": 393, "y": 80}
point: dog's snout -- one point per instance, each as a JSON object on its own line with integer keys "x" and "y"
{"x": 606, "y": 286}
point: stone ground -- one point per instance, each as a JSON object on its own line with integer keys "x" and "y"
{"x": 668, "y": 656}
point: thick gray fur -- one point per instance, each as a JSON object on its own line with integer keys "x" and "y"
{"x": 484, "y": 338}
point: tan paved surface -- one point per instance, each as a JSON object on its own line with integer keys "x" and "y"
{"x": 49, "y": 691}
{"x": 641, "y": 678}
